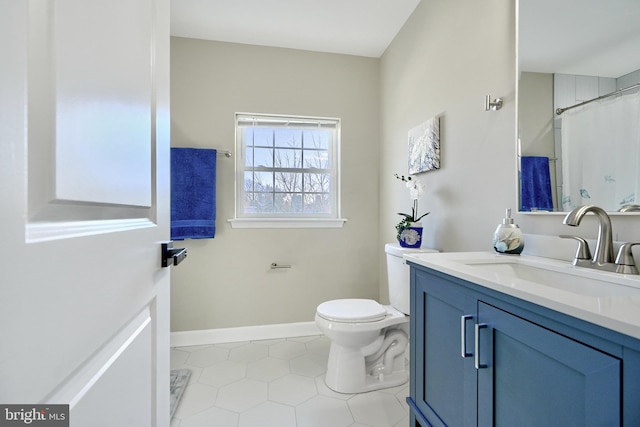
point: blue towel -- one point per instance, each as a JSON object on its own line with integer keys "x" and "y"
{"x": 535, "y": 184}
{"x": 193, "y": 193}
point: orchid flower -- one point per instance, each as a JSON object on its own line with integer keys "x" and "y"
{"x": 416, "y": 189}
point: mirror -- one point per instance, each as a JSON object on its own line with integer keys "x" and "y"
{"x": 569, "y": 52}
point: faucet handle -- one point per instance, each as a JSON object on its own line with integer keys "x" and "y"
{"x": 624, "y": 261}
{"x": 582, "y": 252}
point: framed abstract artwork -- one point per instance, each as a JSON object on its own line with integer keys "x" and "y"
{"x": 424, "y": 147}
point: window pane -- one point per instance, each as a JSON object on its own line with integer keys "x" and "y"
{"x": 288, "y": 138}
{"x": 248, "y": 137}
{"x": 262, "y": 137}
{"x": 248, "y": 159}
{"x": 288, "y": 182}
{"x": 263, "y": 182}
{"x": 316, "y": 159}
{"x": 288, "y": 203}
{"x": 317, "y": 139}
{"x": 248, "y": 182}
{"x": 317, "y": 183}
{"x": 317, "y": 203}
{"x": 256, "y": 203}
{"x": 258, "y": 182}
{"x": 288, "y": 158}
{"x": 263, "y": 157}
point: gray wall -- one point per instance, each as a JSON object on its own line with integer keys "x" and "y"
{"x": 226, "y": 281}
{"x": 535, "y": 111}
{"x": 448, "y": 56}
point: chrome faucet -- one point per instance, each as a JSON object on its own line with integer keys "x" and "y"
{"x": 630, "y": 208}
{"x": 603, "y": 255}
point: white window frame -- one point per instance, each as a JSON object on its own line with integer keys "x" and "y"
{"x": 279, "y": 220}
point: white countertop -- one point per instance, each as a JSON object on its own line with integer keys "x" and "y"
{"x": 610, "y": 300}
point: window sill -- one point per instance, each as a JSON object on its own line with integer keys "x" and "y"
{"x": 286, "y": 223}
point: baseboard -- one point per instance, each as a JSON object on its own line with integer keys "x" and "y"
{"x": 244, "y": 333}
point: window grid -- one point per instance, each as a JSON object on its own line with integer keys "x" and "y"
{"x": 304, "y": 186}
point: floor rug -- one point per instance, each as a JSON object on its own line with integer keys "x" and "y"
{"x": 179, "y": 380}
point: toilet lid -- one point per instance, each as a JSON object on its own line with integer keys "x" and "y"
{"x": 352, "y": 310}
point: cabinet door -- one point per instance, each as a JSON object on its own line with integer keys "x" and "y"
{"x": 444, "y": 383}
{"x": 535, "y": 377}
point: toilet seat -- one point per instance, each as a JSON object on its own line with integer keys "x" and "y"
{"x": 352, "y": 311}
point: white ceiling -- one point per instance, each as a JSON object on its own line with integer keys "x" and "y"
{"x": 586, "y": 37}
{"x": 352, "y": 27}
{"x": 590, "y": 37}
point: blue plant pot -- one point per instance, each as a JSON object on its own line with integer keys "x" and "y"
{"x": 411, "y": 237}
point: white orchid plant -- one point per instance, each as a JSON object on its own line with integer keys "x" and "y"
{"x": 416, "y": 188}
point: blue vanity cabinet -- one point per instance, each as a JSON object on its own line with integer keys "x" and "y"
{"x": 523, "y": 365}
{"x": 531, "y": 376}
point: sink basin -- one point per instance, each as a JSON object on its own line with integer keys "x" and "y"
{"x": 530, "y": 273}
{"x": 607, "y": 299}
{"x": 517, "y": 271}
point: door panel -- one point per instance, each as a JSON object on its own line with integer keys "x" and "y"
{"x": 573, "y": 384}
{"x": 103, "y": 102}
{"x": 445, "y": 381}
{"x": 125, "y": 356}
{"x": 92, "y": 86}
{"x": 91, "y": 111}
{"x": 84, "y": 132}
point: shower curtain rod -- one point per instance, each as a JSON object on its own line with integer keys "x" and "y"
{"x": 615, "y": 92}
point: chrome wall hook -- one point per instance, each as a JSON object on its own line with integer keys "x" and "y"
{"x": 496, "y": 104}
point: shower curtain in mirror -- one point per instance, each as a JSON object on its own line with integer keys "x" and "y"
{"x": 601, "y": 153}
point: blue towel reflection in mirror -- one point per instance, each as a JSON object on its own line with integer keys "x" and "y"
{"x": 535, "y": 181}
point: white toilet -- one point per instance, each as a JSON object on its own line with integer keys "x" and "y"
{"x": 368, "y": 340}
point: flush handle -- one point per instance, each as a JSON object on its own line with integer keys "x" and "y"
{"x": 171, "y": 255}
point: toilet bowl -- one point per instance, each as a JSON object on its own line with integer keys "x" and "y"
{"x": 368, "y": 339}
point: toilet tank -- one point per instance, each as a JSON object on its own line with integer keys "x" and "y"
{"x": 398, "y": 275}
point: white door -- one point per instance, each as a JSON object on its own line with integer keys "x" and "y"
{"x": 84, "y": 207}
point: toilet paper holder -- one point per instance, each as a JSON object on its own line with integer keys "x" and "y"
{"x": 275, "y": 265}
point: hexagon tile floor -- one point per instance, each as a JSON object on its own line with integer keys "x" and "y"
{"x": 276, "y": 383}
